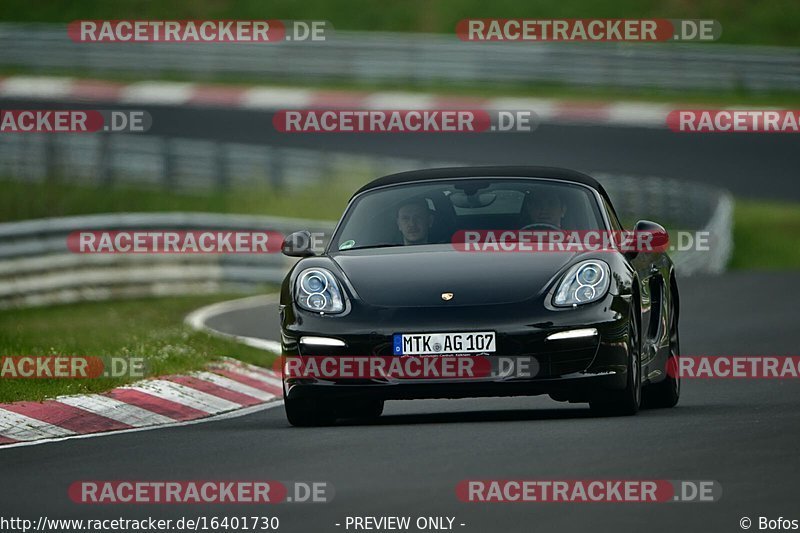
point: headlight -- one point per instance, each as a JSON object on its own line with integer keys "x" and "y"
{"x": 588, "y": 281}
{"x": 316, "y": 290}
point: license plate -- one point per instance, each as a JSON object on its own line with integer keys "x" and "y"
{"x": 443, "y": 343}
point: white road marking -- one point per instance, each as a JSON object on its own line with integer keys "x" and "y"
{"x": 632, "y": 113}
{"x": 276, "y": 98}
{"x": 228, "y": 383}
{"x": 544, "y": 108}
{"x": 126, "y": 413}
{"x": 20, "y": 427}
{"x": 184, "y": 395}
{"x": 260, "y": 376}
{"x": 36, "y": 87}
{"x": 157, "y": 92}
{"x": 399, "y": 100}
{"x": 197, "y": 320}
{"x": 223, "y": 416}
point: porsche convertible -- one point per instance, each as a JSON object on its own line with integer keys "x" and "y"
{"x": 395, "y": 281}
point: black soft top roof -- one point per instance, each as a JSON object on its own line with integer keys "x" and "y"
{"x": 553, "y": 173}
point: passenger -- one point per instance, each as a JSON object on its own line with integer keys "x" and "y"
{"x": 543, "y": 208}
{"x": 414, "y": 220}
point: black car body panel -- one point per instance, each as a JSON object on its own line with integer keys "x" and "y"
{"x": 398, "y": 289}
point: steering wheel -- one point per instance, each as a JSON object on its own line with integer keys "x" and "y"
{"x": 541, "y": 225}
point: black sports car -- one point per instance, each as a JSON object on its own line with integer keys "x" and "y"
{"x": 395, "y": 281}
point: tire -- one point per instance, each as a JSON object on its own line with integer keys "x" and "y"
{"x": 360, "y": 409}
{"x": 625, "y": 402}
{"x": 307, "y": 412}
{"x": 667, "y": 392}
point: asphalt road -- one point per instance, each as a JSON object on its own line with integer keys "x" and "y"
{"x": 749, "y": 165}
{"x": 742, "y": 434}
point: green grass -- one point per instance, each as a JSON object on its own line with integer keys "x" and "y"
{"x": 743, "y": 21}
{"x": 21, "y": 200}
{"x": 766, "y": 236}
{"x": 148, "y": 328}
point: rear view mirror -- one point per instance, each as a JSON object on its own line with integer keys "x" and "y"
{"x": 472, "y": 201}
{"x": 648, "y": 237}
{"x": 298, "y": 244}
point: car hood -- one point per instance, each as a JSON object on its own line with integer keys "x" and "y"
{"x": 416, "y": 276}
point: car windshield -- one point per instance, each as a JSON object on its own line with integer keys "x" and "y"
{"x": 433, "y": 212}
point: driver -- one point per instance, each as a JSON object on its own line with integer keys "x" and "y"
{"x": 544, "y": 207}
{"x": 414, "y": 220}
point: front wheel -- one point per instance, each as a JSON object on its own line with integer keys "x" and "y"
{"x": 627, "y": 401}
{"x": 366, "y": 409}
{"x": 667, "y": 392}
{"x": 307, "y": 412}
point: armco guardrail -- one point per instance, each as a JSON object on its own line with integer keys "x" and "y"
{"x": 177, "y": 163}
{"x": 37, "y": 268}
{"x": 681, "y": 206}
{"x": 416, "y": 59}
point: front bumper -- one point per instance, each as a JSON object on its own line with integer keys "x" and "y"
{"x": 568, "y": 368}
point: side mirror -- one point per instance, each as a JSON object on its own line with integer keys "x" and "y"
{"x": 648, "y": 237}
{"x": 298, "y": 244}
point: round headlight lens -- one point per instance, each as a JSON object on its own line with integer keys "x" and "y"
{"x": 590, "y": 274}
{"x": 314, "y": 282}
{"x": 317, "y": 301}
{"x": 585, "y": 293}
